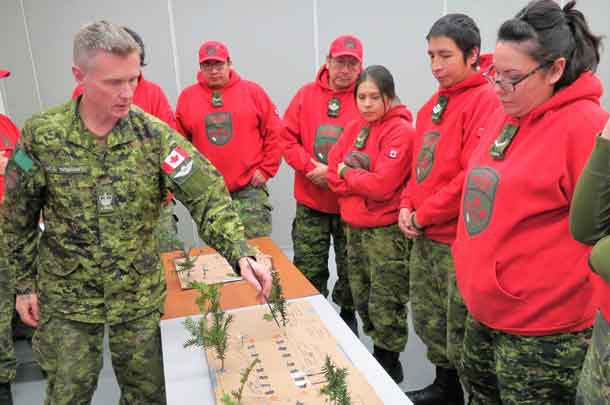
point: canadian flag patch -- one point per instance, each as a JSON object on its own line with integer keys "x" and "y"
{"x": 174, "y": 159}
{"x": 393, "y": 153}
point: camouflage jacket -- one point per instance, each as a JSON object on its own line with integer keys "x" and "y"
{"x": 96, "y": 261}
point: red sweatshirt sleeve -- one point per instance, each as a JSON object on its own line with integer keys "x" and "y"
{"x": 444, "y": 205}
{"x": 292, "y": 141}
{"x": 335, "y": 155}
{"x": 405, "y": 196}
{"x": 392, "y": 163}
{"x": 181, "y": 105}
{"x": 163, "y": 110}
{"x": 405, "y": 199}
{"x": 270, "y": 129}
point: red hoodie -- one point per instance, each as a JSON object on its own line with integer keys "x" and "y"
{"x": 9, "y": 134}
{"x": 150, "y": 98}
{"x": 518, "y": 268}
{"x": 441, "y": 152}
{"x": 238, "y": 137}
{"x": 369, "y": 192}
{"x": 309, "y": 133}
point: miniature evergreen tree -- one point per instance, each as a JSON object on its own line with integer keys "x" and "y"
{"x": 277, "y": 300}
{"x": 236, "y": 395}
{"x": 336, "y": 386}
{"x": 187, "y": 264}
{"x": 212, "y": 329}
{"x": 227, "y": 400}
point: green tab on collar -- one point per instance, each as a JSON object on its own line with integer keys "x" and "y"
{"x": 334, "y": 107}
{"x": 216, "y": 99}
{"x": 503, "y": 141}
{"x": 439, "y": 109}
{"x": 23, "y": 160}
{"x": 362, "y": 137}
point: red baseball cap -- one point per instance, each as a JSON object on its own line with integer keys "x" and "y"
{"x": 213, "y": 50}
{"x": 4, "y": 73}
{"x": 346, "y": 45}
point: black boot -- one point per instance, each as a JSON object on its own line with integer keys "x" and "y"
{"x": 6, "y": 397}
{"x": 446, "y": 389}
{"x": 349, "y": 317}
{"x": 390, "y": 362}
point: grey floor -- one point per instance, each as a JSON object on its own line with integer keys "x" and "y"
{"x": 30, "y": 385}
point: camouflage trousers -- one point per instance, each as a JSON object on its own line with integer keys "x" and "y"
{"x": 377, "y": 262}
{"x": 594, "y": 385}
{"x": 437, "y": 308}
{"x": 500, "y": 368}
{"x": 254, "y": 209}
{"x": 167, "y": 231}
{"x": 71, "y": 354}
{"x": 8, "y": 363}
{"x": 311, "y": 234}
{"x": 456, "y": 323}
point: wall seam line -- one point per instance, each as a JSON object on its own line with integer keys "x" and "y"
{"x": 316, "y": 37}
{"x": 31, "y": 52}
{"x": 172, "y": 34}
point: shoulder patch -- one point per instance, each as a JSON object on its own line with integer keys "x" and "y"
{"x": 479, "y": 198}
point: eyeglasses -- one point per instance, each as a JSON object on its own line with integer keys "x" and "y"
{"x": 349, "y": 63}
{"x": 510, "y": 85}
{"x": 211, "y": 66}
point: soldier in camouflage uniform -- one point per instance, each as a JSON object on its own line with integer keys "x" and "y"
{"x": 589, "y": 223}
{"x": 8, "y": 362}
{"x": 99, "y": 168}
{"x": 8, "y": 139}
{"x": 151, "y": 98}
{"x": 313, "y": 123}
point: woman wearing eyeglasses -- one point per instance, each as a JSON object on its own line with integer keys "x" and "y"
{"x": 525, "y": 281}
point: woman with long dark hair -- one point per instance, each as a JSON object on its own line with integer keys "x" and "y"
{"x": 368, "y": 169}
{"x": 525, "y": 281}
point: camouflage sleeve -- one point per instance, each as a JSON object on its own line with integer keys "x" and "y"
{"x": 200, "y": 187}
{"x": 23, "y": 202}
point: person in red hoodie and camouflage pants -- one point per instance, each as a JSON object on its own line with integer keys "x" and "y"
{"x": 526, "y": 283}
{"x": 366, "y": 168}
{"x": 234, "y": 124}
{"x": 8, "y": 364}
{"x": 448, "y": 128}
{"x": 314, "y": 121}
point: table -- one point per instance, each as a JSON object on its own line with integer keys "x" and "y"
{"x": 237, "y": 294}
{"x": 187, "y": 378}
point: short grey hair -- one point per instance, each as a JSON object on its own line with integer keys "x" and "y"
{"x": 105, "y": 36}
